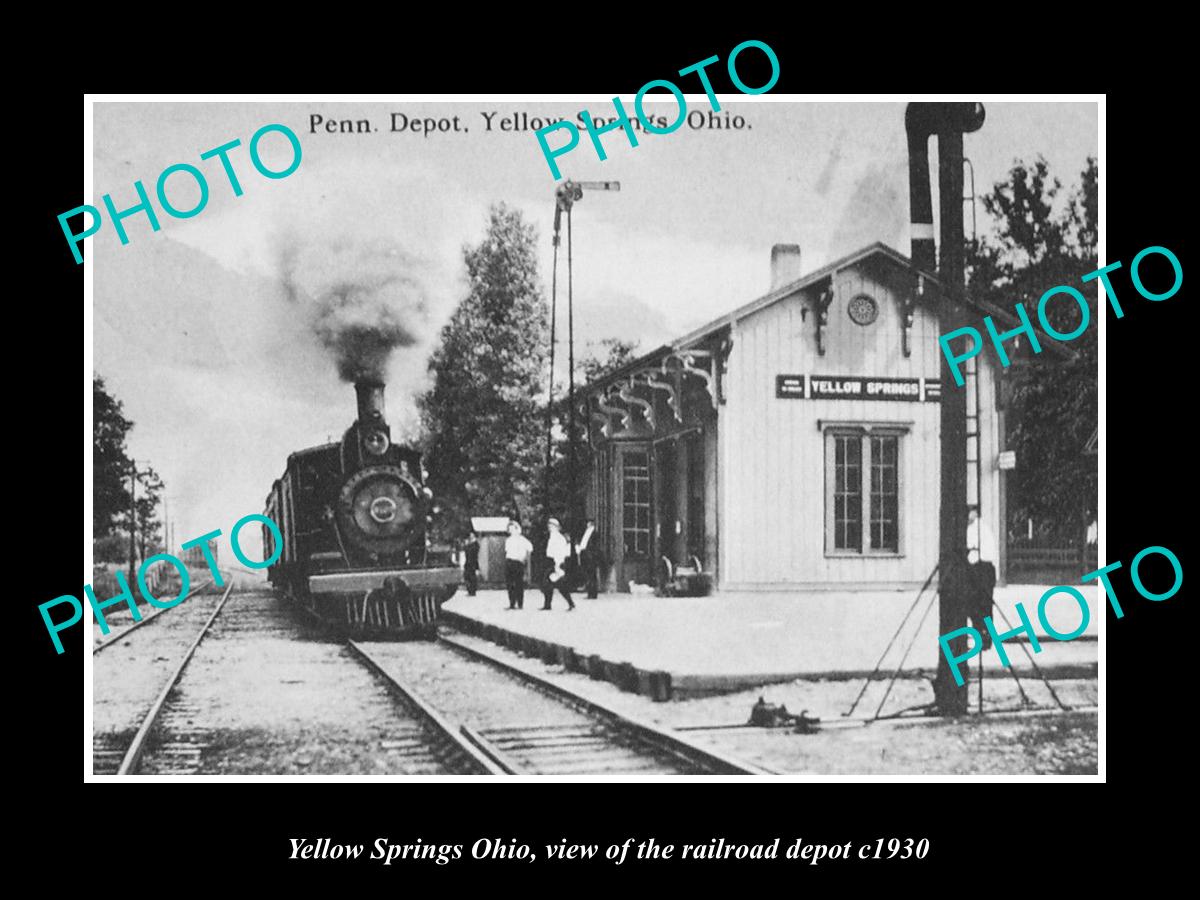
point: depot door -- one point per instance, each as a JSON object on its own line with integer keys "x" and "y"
{"x": 634, "y": 538}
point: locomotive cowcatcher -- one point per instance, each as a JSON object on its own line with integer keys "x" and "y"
{"x": 355, "y": 518}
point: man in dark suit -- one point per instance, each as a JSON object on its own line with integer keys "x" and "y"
{"x": 471, "y": 563}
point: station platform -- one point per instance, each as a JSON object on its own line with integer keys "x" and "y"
{"x": 676, "y": 647}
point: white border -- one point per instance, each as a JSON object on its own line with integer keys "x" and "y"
{"x": 88, "y": 271}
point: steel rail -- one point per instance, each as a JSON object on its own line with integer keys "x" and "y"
{"x": 674, "y": 745}
{"x": 133, "y": 756}
{"x": 487, "y": 757}
{"x": 150, "y": 618}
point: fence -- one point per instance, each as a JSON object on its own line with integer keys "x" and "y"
{"x": 162, "y": 581}
{"x": 1050, "y": 565}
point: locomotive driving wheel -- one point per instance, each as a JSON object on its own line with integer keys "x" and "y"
{"x": 376, "y": 509}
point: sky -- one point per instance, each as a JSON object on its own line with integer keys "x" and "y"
{"x": 209, "y": 331}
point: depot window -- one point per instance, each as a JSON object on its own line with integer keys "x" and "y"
{"x": 862, "y": 490}
{"x": 635, "y": 502}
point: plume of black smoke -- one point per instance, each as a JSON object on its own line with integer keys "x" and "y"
{"x": 363, "y": 299}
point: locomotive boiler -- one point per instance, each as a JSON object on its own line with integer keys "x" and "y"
{"x": 355, "y": 518}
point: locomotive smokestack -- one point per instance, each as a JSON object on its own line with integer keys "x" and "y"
{"x": 370, "y": 400}
{"x": 920, "y": 121}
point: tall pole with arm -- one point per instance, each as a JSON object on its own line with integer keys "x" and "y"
{"x": 565, "y": 196}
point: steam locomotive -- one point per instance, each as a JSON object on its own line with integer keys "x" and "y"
{"x": 355, "y": 518}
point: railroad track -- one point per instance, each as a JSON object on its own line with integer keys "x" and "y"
{"x": 452, "y": 743}
{"x": 116, "y": 636}
{"x": 526, "y": 725}
{"x": 110, "y": 755}
{"x": 255, "y": 692}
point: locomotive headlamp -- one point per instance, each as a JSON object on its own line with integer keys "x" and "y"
{"x": 383, "y": 509}
{"x": 376, "y": 442}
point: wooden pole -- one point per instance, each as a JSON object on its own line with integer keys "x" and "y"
{"x": 132, "y": 520}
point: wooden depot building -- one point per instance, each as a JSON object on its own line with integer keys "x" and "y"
{"x": 793, "y": 443}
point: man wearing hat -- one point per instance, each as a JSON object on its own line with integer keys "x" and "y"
{"x": 558, "y": 551}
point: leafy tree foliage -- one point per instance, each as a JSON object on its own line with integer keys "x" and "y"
{"x": 110, "y": 463}
{"x": 111, "y": 468}
{"x": 149, "y": 498}
{"x": 484, "y": 414}
{"x": 1042, "y": 242}
{"x": 606, "y": 355}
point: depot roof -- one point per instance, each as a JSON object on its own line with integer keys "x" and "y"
{"x": 878, "y": 249}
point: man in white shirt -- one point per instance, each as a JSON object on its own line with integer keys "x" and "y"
{"x": 558, "y": 551}
{"x": 517, "y": 550}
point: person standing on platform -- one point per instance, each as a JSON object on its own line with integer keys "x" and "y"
{"x": 558, "y": 551}
{"x": 517, "y": 550}
{"x": 471, "y": 563}
{"x": 590, "y": 561}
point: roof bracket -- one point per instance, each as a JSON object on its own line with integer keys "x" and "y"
{"x": 824, "y": 301}
{"x": 908, "y": 307}
{"x": 722, "y": 366}
{"x": 669, "y": 388}
{"x": 625, "y": 392}
{"x": 612, "y": 411}
{"x": 688, "y": 358}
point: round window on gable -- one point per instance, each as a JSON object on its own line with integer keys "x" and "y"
{"x": 863, "y": 309}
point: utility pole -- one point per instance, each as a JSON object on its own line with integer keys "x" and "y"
{"x": 132, "y": 519}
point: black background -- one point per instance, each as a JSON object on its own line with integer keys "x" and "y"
{"x": 992, "y": 830}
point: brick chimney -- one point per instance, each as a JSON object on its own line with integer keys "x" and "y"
{"x": 785, "y": 264}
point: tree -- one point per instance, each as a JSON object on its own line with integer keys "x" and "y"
{"x": 604, "y": 356}
{"x": 110, "y": 462}
{"x": 149, "y": 496}
{"x": 483, "y": 416}
{"x": 1052, "y": 410}
{"x": 111, "y": 470}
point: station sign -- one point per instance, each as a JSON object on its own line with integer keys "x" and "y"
{"x": 853, "y": 387}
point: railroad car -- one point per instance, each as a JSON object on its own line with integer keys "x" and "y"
{"x": 355, "y": 517}
{"x": 193, "y": 557}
